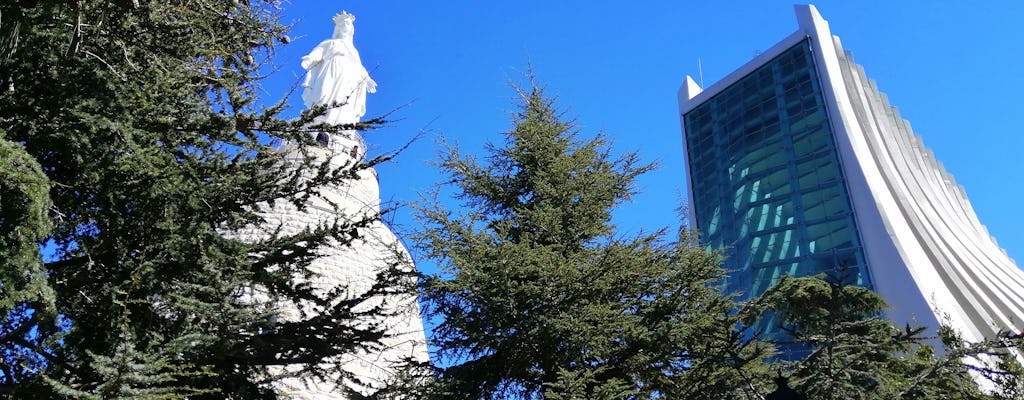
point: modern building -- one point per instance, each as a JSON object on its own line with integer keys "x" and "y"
{"x": 798, "y": 165}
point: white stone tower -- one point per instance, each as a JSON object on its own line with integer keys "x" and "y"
{"x": 337, "y": 78}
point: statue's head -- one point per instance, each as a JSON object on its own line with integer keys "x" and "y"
{"x": 343, "y": 24}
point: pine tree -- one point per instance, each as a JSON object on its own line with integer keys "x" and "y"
{"x": 854, "y": 353}
{"x": 540, "y": 297}
{"x": 25, "y": 295}
{"x": 851, "y": 348}
{"x": 1008, "y": 377}
{"x": 956, "y": 371}
{"x": 145, "y": 119}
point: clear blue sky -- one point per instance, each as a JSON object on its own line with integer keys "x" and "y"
{"x": 952, "y": 68}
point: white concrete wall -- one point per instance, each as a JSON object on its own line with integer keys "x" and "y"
{"x": 903, "y": 193}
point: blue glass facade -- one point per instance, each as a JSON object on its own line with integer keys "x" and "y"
{"x": 766, "y": 180}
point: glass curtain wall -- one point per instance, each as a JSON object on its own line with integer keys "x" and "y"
{"x": 766, "y": 180}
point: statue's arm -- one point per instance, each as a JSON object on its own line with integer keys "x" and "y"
{"x": 313, "y": 58}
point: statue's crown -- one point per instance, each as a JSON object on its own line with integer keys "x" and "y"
{"x": 338, "y": 19}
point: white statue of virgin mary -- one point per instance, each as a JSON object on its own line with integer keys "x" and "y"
{"x": 335, "y": 75}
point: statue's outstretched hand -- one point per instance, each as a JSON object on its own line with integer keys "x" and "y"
{"x": 371, "y": 85}
{"x": 313, "y": 58}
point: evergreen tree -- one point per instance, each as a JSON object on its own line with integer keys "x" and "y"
{"x": 955, "y": 372}
{"x": 1008, "y": 376}
{"x": 541, "y": 298}
{"x": 136, "y": 126}
{"x": 25, "y": 295}
{"x": 854, "y": 353}
{"x": 852, "y": 350}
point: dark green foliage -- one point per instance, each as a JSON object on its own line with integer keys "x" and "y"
{"x": 143, "y": 118}
{"x": 993, "y": 361}
{"x": 25, "y": 296}
{"x": 852, "y": 350}
{"x": 854, "y": 353}
{"x": 24, "y": 203}
{"x": 1008, "y": 377}
{"x": 10, "y": 25}
{"x": 130, "y": 374}
{"x": 540, "y": 297}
